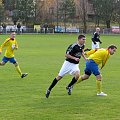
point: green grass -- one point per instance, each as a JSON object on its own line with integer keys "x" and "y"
{"x": 42, "y": 56}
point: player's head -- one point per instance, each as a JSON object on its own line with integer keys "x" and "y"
{"x": 97, "y": 29}
{"x": 112, "y": 49}
{"x": 12, "y": 34}
{"x": 81, "y": 39}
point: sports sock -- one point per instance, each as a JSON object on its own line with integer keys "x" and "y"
{"x": 99, "y": 86}
{"x": 18, "y": 70}
{"x": 72, "y": 82}
{"x": 79, "y": 80}
{"x": 53, "y": 84}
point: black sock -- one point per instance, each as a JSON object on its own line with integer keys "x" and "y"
{"x": 72, "y": 82}
{"x": 53, "y": 84}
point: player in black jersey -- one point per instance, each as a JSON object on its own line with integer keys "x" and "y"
{"x": 96, "y": 39}
{"x": 71, "y": 64}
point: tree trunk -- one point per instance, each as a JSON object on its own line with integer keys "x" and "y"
{"x": 85, "y": 26}
{"x": 15, "y": 22}
{"x": 65, "y": 19}
{"x": 108, "y": 23}
{"x": 84, "y": 18}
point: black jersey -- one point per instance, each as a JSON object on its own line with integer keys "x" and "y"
{"x": 74, "y": 50}
{"x": 96, "y": 37}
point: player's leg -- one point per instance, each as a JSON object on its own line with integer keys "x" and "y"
{"x": 4, "y": 61}
{"x": 96, "y": 72}
{"x": 99, "y": 83}
{"x": 93, "y": 45}
{"x": 97, "y": 45}
{"x": 75, "y": 71}
{"x": 54, "y": 82}
{"x": 73, "y": 81}
{"x": 99, "y": 86}
{"x": 87, "y": 72}
{"x": 18, "y": 68}
{"x": 82, "y": 78}
{"x": 13, "y": 60}
{"x": 64, "y": 69}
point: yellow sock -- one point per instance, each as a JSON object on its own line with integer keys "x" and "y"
{"x": 99, "y": 86}
{"x": 79, "y": 80}
{"x": 18, "y": 70}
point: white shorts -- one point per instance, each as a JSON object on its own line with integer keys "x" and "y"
{"x": 68, "y": 68}
{"x": 94, "y": 46}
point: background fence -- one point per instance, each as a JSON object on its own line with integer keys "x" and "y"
{"x": 25, "y": 30}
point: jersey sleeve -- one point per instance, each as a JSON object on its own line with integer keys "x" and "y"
{"x": 4, "y": 44}
{"x": 90, "y": 52}
{"x": 69, "y": 49}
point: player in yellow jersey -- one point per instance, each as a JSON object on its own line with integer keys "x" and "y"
{"x": 96, "y": 58}
{"x": 11, "y": 45}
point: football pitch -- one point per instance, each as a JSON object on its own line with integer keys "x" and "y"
{"x": 42, "y": 56}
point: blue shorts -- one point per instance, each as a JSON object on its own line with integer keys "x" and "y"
{"x": 92, "y": 67}
{"x": 12, "y": 60}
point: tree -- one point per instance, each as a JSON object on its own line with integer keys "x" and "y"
{"x": 67, "y": 10}
{"x": 82, "y": 9}
{"x": 26, "y": 10}
{"x": 1, "y": 13}
{"x": 117, "y": 12}
{"x": 9, "y": 4}
{"x": 104, "y": 10}
{"x": 15, "y": 16}
{"x": 23, "y": 10}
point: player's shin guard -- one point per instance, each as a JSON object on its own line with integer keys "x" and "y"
{"x": 99, "y": 86}
{"x": 72, "y": 82}
{"x": 18, "y": 70}
{"x": 53, "y": 84}
{"x": 79, "y": 80}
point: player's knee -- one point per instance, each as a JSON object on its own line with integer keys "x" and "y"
{"x": 16, "y": 64}
{"x": 2, "y": 63}
{"x": 85, "y": 77}
{"x": 77, "y": 76}
{"x": 99, "y": 77}
{"x": 58, "y": 78}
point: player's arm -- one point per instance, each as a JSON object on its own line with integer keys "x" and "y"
{"x": 99, "y": 40}
{"x": 87, "y": 49}
{"x": 84, "y": 57}
{"x": 3, "y": 45}
{"x": 90, "y": 52}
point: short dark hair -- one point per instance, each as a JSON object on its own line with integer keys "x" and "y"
{"x": 112, "y": 46}
{"x": 81, "y": 36}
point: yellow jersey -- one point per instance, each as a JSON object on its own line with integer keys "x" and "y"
{"x": 11, "y": 45}
{"x": 100, "y": 56}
